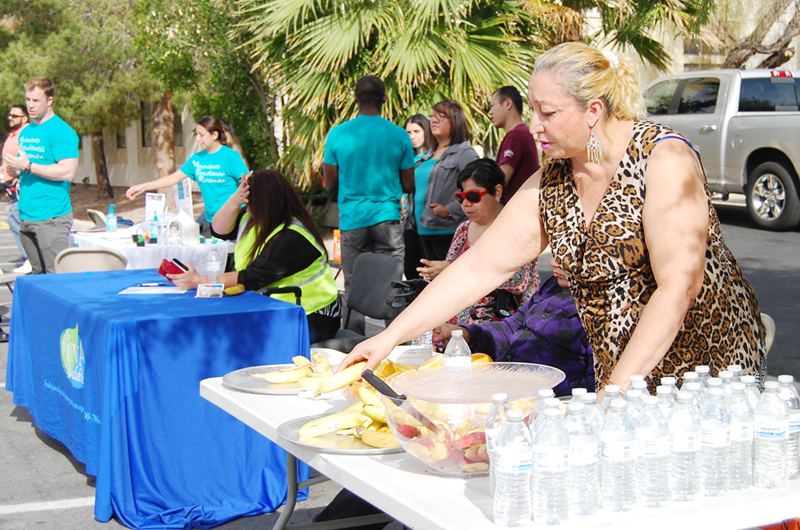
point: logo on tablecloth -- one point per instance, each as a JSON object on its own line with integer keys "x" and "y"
{"x": 72, "y": 358}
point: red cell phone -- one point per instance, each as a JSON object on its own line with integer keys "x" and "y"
{"x": 173, "y": 266}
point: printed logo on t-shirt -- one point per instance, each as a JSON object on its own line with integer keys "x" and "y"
{"x": 204, "y": 171}
{"x": 508, "y": 153}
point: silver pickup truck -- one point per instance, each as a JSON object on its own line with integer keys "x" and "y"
{"x": 746, "y": 126}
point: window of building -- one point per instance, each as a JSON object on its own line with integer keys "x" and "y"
{"x": 178, "y": 127}
{"x": 147, "y": 124}
{"x": 121, "y": 140}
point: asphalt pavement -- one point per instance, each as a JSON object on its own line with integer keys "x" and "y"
{"x": 45, "y": 487}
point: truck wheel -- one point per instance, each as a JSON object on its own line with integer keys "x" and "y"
{"x": 772, "y": 199}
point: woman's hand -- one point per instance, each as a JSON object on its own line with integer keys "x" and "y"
{"x": 442, "y": 334}
{"x": 135, "y": 191}
{"x": 188, "y": 280}
{"x": 439, "y": 210}
{"x": 372, "y": 350}
{"x": 242, "y": 193}
{"x": 432, "y": 269}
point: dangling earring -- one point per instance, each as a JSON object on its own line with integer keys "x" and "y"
{"x": 593, "y": 150}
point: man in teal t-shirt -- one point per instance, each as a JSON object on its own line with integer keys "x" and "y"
{"x": 46, "y": 164}
{"x": 217, "y": 174}
{"x": 370, "y": 161}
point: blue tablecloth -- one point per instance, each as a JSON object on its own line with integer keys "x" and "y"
{"x": 115, "y": 378}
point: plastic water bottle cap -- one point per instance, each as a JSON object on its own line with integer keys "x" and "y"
{"x": 771, "y": 385}
{"x": 669, "y": 381}
{"x": 553, "y": 412}
{"x": 786, "y": 379}
{"x": 633, "y": 393}
{"x": 500, "y": 396}
{"x": 693, "y": 386}
{"x": 636, "y": 378}
{"x": 589, "y": 397}
{"x": 748, "y": 379}
{"x": 685, "y": 395}
{"x": 639, "y": 385}
{"x": 457, "y": 333}
{"x": 715, "y": 391}
{"x": 702, "y": 369}
{"x": 619, "y": 404}
{"x": 725, "y": 374}
{"x": 552, "y": 402}
{"x": 738, "y": 385}
{"x": 612, "y": 389}
{"x": 578, "y": 391}
{"x": 546, "y": 393}
{"x": 714, "y": 381}
{"x": 650, "y": 400}
{"x": 690, "y": 375}
{"x": 514, "y": 414}
{"x": 663, "y": 389}
{"x": 734, "y": 368}
{"x": 574, "y": 406}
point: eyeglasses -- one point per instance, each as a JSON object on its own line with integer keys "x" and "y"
{"x": 473, "y": 196}
{"x": 16, "y": 115}
{"x": 437, "y": 116}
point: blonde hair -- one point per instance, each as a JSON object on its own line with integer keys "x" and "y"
{"x": 43, "y": 83}
{"x": 587, "y": 74}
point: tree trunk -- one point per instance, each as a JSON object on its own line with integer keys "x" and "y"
{"x": 753, "y": 43}
{"x": 164, "y": 140}
{"x": 100, "y": 166}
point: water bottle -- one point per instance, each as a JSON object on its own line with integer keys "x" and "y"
{"x": 703, "y": 374}
{"x": 424, "y": 341}
{"x": 640, "y": 386}
{"x": 715, "y": 420}
{"x": 457, "y": 354}
{"x": 771, "y": 438}
{"x": 514, "y": 458}
{"x": 163, "y": 236}
{"x": 584, "y": 482}
{"x": 154, "y": 228}
{"x": 685, "y": 439}
{"x": 727, "y": 378}
{"x": 596, "y": 418}
{"x": 652, "y": 455}
{"x": 213, "y": 266}
{"x": 544, "y": 394}
{"x": 111, "y": 219}
{"x": 635, "y": 407}
{"x": 577, "y": 395}
{"x": 550, "y": 485}
{"x": 690, "y": 377}
{"x": 612, "y": 393}
{"x": 788, "y": 393}
{"x": 664, "y": 398}
{"x": 672, "y": 383}
{"x": 713, "y": 382}
{"x": 736, "y": 370}
{"x": 635, "y": 378}
{"x": 498, "y": 414}
{"x": 618, "y": 481}
{"x": 696, "y": 390}
{"x": 741, "y": 456}
{"x": 549, "y": 404}
{"x": 751, "y": 389}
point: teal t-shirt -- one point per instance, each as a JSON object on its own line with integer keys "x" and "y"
{"x": 217, "y": 174}
{"x": 46, "y": 143}
{"x": 421, "y": 177}
{"x": 369, "y": 151}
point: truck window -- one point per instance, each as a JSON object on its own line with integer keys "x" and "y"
{"x": 699, "y": 96}
{"x": 658, "y": 98}
{"x": 766, "y": 95}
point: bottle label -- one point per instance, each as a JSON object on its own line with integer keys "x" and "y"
{"x": 547, "y": 458}
{"x": 652, "y": 447}
{"x": 742, "y": 431}
{"x": 457, "y": 361}
{"x": 768, "y": 429}
{"x": 794, "y": 421}
{"x": 513, "y": 460}
{"x": 616, "y": 450}
{"x": 685, "y": 441}
{"x": 717, "y": 437}
{"x": 582, "y": 450}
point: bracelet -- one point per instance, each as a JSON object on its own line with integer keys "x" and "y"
{"x": 28, "y": 168}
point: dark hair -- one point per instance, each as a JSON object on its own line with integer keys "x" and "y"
{"x": 509, "y": 92}
{"x": 232, "y": 141}
{"x": 273, "y": 202}
{"x": 458, "y": 123}
{"x": 41, "y": 82}
{"x": 23, "y": 108}
{"x": 213, "y": 125}
{"x": 486, "y": 173}
{"x": 423, "y": 122}
{"x": 370, "y": 91}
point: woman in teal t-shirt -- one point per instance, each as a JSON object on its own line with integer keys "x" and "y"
{"x": 216, "y": 169}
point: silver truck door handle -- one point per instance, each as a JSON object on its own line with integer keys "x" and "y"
{"x": 708, "y": 128}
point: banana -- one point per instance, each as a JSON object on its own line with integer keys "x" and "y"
{"x": 343, "y": 378}
{"x": 233, "y": 291}
{"x": 376, "y": 413}
{"x": 301, "y": 361}
{"x": 355, "y": 407}
{"x": 368, "y": 397}
{"x": 291, "y": 375}
{"x": 379, "y": 439}
{"x": 311, "y": 381}
{"x": 332, "y": 423}
{"x": 321, "y": 363}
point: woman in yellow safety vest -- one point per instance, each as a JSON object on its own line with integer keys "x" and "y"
{"x": 278, "y": 247}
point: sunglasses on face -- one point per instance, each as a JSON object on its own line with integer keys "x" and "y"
{"x": 16, "y": 116}
{"x": 472, "y": 196}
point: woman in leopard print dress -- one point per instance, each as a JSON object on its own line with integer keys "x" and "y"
{"x": 630, "y": 222}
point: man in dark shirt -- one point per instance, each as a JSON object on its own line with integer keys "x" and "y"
{"x": 517, "y": 156}
{"x": 545, "y": 330}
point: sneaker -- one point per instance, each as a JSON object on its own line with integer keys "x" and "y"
{"x": 25, "y": 268}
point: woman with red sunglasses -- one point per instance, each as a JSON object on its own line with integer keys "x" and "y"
{"x": 481, "y": 186}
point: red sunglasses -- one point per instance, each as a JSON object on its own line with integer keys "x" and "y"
{"x": 472, "y": 196}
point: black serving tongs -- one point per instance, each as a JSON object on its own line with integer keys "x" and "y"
{"x": 398, "y": 399}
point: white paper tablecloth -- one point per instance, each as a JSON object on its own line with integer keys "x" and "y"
{"x": 149, "y": 256}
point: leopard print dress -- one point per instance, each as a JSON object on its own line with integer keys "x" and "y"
{"x": 610, "y": 275}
